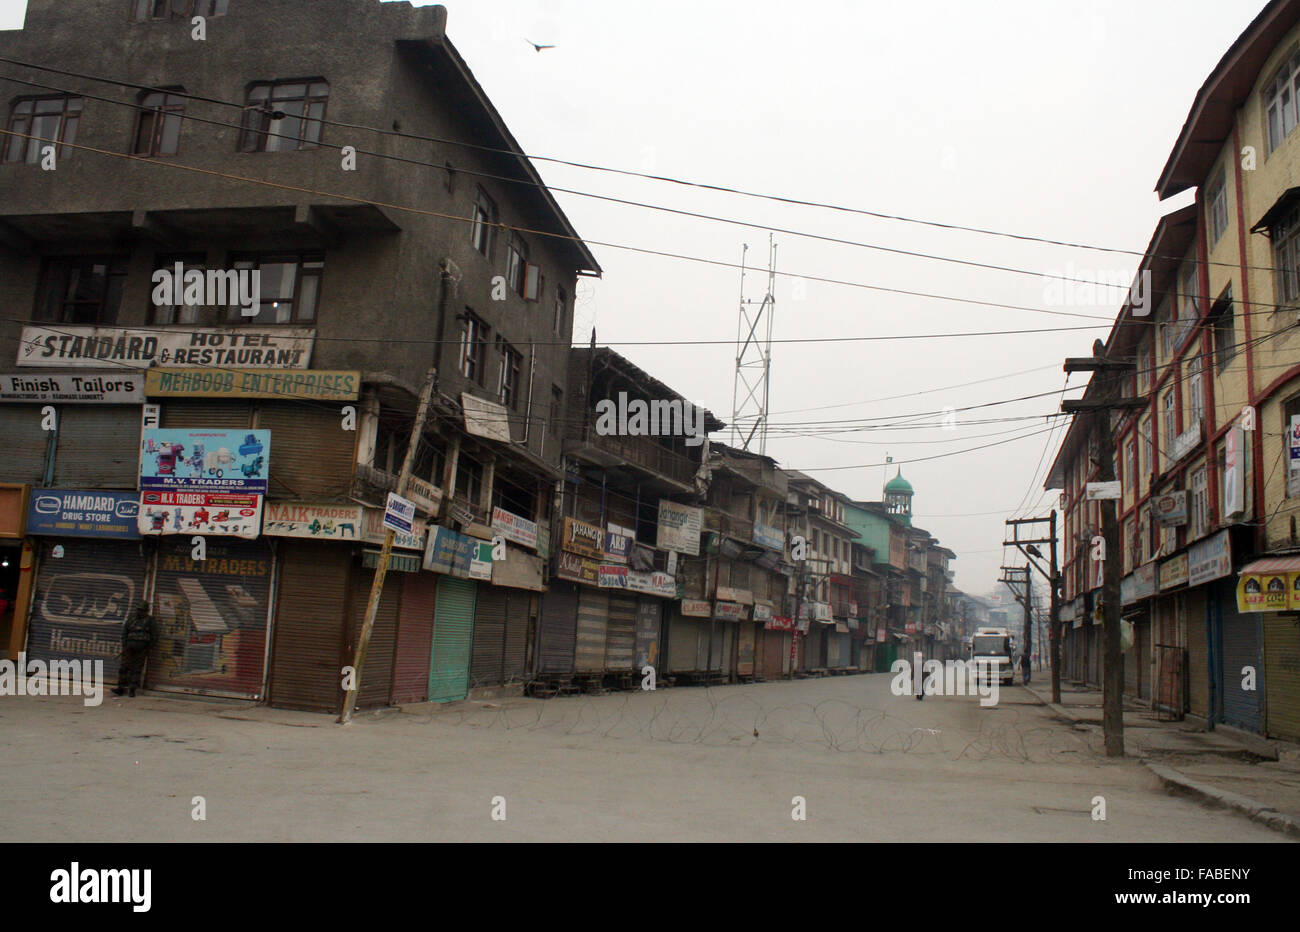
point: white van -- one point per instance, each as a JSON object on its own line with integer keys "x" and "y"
{"x": 993, "y": 650}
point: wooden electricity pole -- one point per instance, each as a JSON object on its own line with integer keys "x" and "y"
{"x": 1102, "y": 408}
{"x": 377, "y": 585}
{"x": 1034, "y": 556}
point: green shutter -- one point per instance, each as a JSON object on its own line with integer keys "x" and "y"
{"x": 453, "y": 630}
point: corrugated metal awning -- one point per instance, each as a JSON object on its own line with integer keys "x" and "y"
{"x": 1288, "y": 564}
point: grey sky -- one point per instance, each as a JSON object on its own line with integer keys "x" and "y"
{"x": 1041, "y": 118}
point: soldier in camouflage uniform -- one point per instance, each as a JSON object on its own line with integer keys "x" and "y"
{"x": 138, "y": 636}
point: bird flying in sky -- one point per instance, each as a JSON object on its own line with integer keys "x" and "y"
{"x": 538, "y": 47}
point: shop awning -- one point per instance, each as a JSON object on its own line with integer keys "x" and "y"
{"x": 1287, "y": 564}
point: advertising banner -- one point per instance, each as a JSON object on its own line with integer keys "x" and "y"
{"x": 1209, "y": 559}
{"x": 762, "y": 612}
{"x": 208, "y": 460}
{"x": 73, "y": 388}
{"x": 1173, "y": 572}
{"x": 612, "y": 576}
{"x": 696, "y": 608}
{"x": 316, "y": 384}
{"x": 1293, "y": 457}
{"x": 514, "y": 528}
{"x": 1139, "y": 584}
{"x": 770, "y": 537}
{"x": 574, "y": 568}
{"x": 399, "y": 514}
{"x": 448, "y": 551}
{"x": 242, "y": 348}
{"x": 84, "y": 513}
{"x": 728, "y": 611}
{"x": 314, "y": 522}
{"x": 1170, "y": 509}
{"x": 617, "y": 546}
{"x": 231, "y": 514}
{"x": 779, "y": 623}
{"x": 1268, "y": 592}
{"x": 584, "y": 539}
{"x": 485, "y": 418}
{"x": 679, "y": 528}
{"x": 372, "y": 523}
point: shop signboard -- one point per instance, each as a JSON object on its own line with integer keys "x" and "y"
{"x": 230, "y": 514}
{"x": 767, "y": 536}
{"x": 584, "y": 539}
{"x": 696, "y": 608}
{"x": 728, "y": 611}
{"x": 373, "y": 531}
{"x": 1173, "y": 572}
{"x": 71, "y": 347}
{"x": 679, "y": 528}
{"x": 578, "y": 569}
{"x": 114, "y": 388}
{"x": 514, "y": 528}
{"x": 84, "y": 513}
{"x": 1209, "y": 559}
{"x": 313, "y": 522}
{"x": 194, "y": 459}
{"x": 1268, "y": 592}
{"x": 311, "y": 384}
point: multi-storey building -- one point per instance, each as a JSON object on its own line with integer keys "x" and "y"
{"x": 1210, "y": 466}
{"x": 395, "y": 227}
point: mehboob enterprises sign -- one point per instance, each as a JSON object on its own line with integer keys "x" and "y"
{"x": 77, "y": 347}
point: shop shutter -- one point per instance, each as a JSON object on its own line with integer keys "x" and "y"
{"x": 453, "y": 632}
{"x": 556, "y": 628}
{"x": 487, "y": 662}
{"x": 745, "y": 649}
{"x": 620, "y": 636}
{"x": 521, "y": 614}
{"x": 1132, "y": 662}
{"x": 307, "y": 657}
{"x": 723, "y": 634}
{"x": 82, "y": 600}
{"x": 776, "y": 648}
{"x": 311, "y": 456}
{"x": 593, "y": 618}
{"x": 212, "y": 618}
{"x": 1282, "y": 674}
{"x": 414, "y": 637}
{"x": 683, "y": 644}
{"x": 832, "y": 641}
{"x": 1239, "y": 638}
{"x": 649, "y": 614}
{"x": 376, "y": 680}
{"x": 98, "y": 447}
{"x": 196, "y": 413}
{"x": 1198, "y": 660}
{"x": 24, "y": 444}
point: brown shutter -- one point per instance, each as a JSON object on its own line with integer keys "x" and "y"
{"x": 202, "y": 413}
{"x": 414, "y": 637}
{"x": 487, "y": 660}
{"x": 24, "y": 444}
{"x": 620, "y": 636}
{"x": 98, "y": 447}
{"x": 306, "y": 660}
{"x": 311, "y": 453}
{"x": 556, "y": 628}
{"x": 376, "y": 679}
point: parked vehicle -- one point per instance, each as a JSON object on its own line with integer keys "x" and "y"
{"x": 993, "y": 650}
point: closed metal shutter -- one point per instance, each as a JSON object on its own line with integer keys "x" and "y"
{"x": 453, "y": 633}
{"x": 832, "y": 649}
{"x": 649, "y": 616}
{"x": 212, "y": 617}
{"x": 776, "y": 653}
{"x": 556, "y": 628}
{"x": 521, "y": 615}
{"x": 1240, "y": 647}
{"x": 593, "y": 618}
{"x": 83, "y": 599}
{"x": 311, "y": 456}
{"x": 201, "y": 413}
{"x": 724, "y": 640}
{"x": 488, "y": 658}
{"x": 683, "y": 644}
{"x": 620, "y": 635}
{"x": 1198, "y": 660}
{"x": 376, "y": 680}
{"x": 414, "y": 637}
{"x": 98, "y": 447}
{"x": 24, "y": 444}
{"x": 1282, "y": 674}
{"x": 1132, "y": 662}
{"x": 307, "y": 657}
{"x": 745, "y": 648}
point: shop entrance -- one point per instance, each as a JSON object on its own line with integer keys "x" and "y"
{"x": 10, "y": 558}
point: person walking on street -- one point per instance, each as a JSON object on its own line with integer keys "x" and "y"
{"x": 138, "y": 636}
{"x": 1025, "y": 667}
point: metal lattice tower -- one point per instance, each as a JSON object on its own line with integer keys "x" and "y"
{"x": 749, "y": 397}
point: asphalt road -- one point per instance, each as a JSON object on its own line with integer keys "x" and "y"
{"x": 683, "y": 764}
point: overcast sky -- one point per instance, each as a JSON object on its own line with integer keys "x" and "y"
{"x": 1049, "y": 119}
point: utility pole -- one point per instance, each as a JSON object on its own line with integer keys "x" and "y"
{"x": 377, "y": 585}
{"x": 1101, "y": 408}
{"x": 1028, "y": 546}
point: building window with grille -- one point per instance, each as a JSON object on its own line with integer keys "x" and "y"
{"x": 557, "y": 398}
{"x": 516, "y": 260}
{"x": 1285, "y": 236}
{"x": 508, "y": 383}
{"x": 81, "y": 289}
{"x": 158, "y": 125}
{"x": 1199, "y": 505}
{"x": 1280, "y": 102}
{"x": 561, "y": 309}
{"x": 289, "y": 285}
{"x": 47, "y": 121}
{"x": 469, "y": 479}
{"x": 1196, "y": 390}
{"x": 473, "y": 347}
{"x": 1218, "y": 198}
{"x": 176, "y": 313}
{"x": 281, "y": 116}
{"x": 484, "y": 218}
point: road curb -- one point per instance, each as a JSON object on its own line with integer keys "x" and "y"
{"x": 1265, "y": 815}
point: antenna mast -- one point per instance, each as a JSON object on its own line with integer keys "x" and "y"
{"x": 750, "y": 391}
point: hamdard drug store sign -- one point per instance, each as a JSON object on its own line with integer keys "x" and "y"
{"x": 79, "y": 347}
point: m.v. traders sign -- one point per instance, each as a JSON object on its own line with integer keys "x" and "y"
{"x": 77, "y": 347}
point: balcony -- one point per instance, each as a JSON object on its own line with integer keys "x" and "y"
{"x": 733, "y": 526}
{"x": 643, "y": 454}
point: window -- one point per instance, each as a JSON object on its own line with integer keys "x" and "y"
{"x": 1167, "y": 402}
{"x": 473, "y": 347}
{"x": 283, "y": 115}
{"x": 176, "y": 313}
{"x": 1285, "y": 236}
{"x": 508, "y": 383}
{"x": 516, "y": 259}
{"x": 289, "y": 286}
{"x": 1127, "y": 543}
{"x": 1132, "y": 467}
{"x": 1144, "y": 532}
{"x": 1198, "y": 505}
{"x": 47, "y": 120}
{"x": 158, "y": 125}
{"x": 1218, "y": 208}
{"x": 1144, "y": 369}
{"x": 557, "y": 398}
{"x": 1167, "y": 320}
{"x": 1280, "y": 102}
{"x": 1225, "y": 333}
{"x": 81, "y": 289}
{"x": 146, "y": 10}
{"x": 392, "y": 436}
{"x": 469, "y": 479}
{"x": 485, "y": 216}
{"x": 1196, "y": 390}
{"x": 561, "y": 307}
